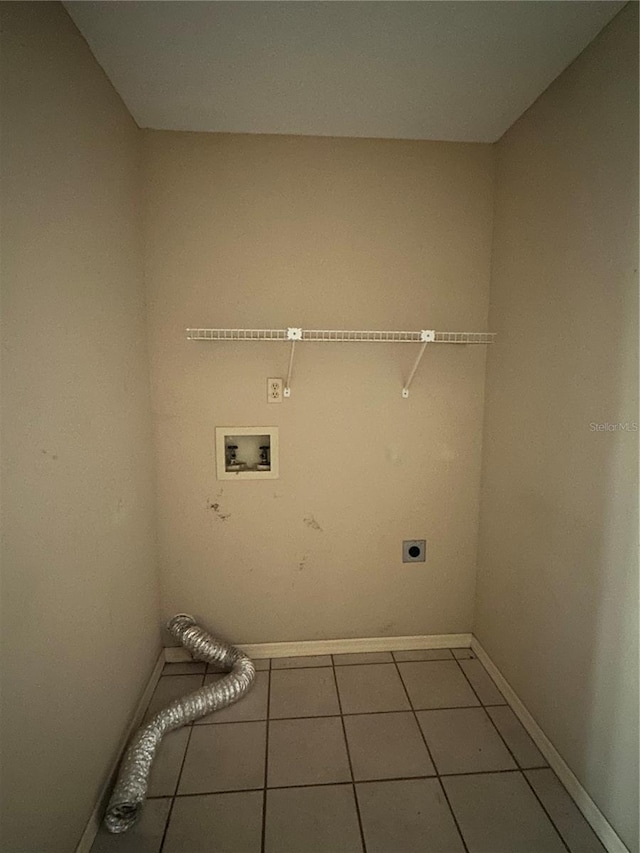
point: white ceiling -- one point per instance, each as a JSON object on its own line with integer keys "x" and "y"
{"x": 431, "y": 69}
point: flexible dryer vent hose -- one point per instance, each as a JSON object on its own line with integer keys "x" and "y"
{"x": 130, "y": 790}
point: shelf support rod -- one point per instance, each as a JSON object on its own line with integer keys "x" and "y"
{"x": 427, "y": 336}
{"x": 293, "y": 335}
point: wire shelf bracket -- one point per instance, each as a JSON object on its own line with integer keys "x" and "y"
{"x": 294, "y": 334}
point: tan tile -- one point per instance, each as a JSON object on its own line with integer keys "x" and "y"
{"x": 566, "y": 815}
{"x": 523, "y": 748}
{"x": 224, "y": 757}
{"x": 436, "y": 684}
{"x": 362, "y": 657}
{"x": 184, "y": 668}
{"x": 482, "y": 683}
{"x": 463, "y": 654}
{"x": 165, "y": 769}
{"x": 313, "y": 820}
{"x": 227, "y": 823}
{"x": 384, "y": 746}
{"x": 307, "y": 752}
{"x": 463, "y": 740}
{"x": 499, "y": 812}
{"x": 423, "y": 654}
{"x": 372, "y": 687}
{"x": 303, "y": 693}
{"x": 301, "y": 662}
{"x": 409, "y": 816}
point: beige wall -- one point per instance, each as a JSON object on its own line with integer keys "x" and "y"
{"x": 276, "y": 231}
{"x": 558, "y": 585}
{"x": 79, "y": 588}
{"x": 269, "y": 232}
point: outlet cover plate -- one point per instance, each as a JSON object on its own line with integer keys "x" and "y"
{"x": 414, "y": 551}
{"x": 274, "y": 390}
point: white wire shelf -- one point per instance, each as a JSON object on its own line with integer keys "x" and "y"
{"x": 295, "y": 335}
{"x": 237, "y": 334}
{"x": 339, "y": 336}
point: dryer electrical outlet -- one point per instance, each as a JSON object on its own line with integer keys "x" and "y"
{"x": 414, "y": 551}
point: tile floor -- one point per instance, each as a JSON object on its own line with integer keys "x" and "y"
{"x": 354, "y": 753}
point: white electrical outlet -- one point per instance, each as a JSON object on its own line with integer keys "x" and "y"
{"x": 274, "y": 390}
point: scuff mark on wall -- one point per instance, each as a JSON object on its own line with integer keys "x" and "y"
{"x": 310, "y": 521}
{"x": 215, "y": 506}
{"x": 303, "y": 562}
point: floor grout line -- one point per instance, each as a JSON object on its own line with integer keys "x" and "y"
{"x": 343, "y": 782}
{"x": 348, "y": 714}
{"x": 423, "y": 776}
{"x": 175, "y": 790}
{"x": 431, "y": 758}
{"x": 266, "y": 766}
{"x": 510, "y": 751}
{"x": 346, "y": 744}
{"x": 164, "y": 674}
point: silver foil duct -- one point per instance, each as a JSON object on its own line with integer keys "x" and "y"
{"x": 130, "y": 790}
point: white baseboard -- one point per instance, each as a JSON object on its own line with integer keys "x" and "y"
{"x": 302, "y": 648}
{"x": 598, "y": 822}
{"x": 93, "y": 824}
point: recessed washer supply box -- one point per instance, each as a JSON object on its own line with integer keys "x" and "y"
{"x": 247, "y": 453}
